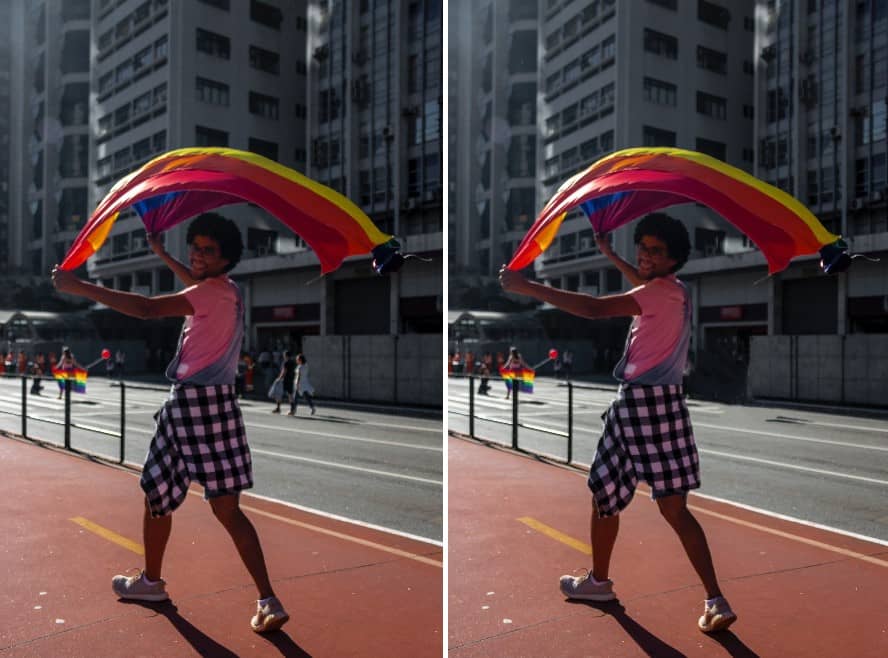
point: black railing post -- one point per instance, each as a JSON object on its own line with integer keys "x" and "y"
{"x": 570, "y": 421}
{"x": 514, "y": 414}
{"x": 67, "y": 414}
{"x": 122, "y": 420}
{"x": 24, "y": 407}
{"x": 471, "y": 406}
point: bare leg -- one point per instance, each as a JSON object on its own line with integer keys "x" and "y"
{"x": 603, "y": 532}
{"x": 675, "y": 510}
{"x": 229, "y": 513}
{"x": 155, "y": 533}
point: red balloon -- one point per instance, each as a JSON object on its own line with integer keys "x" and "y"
{"x": 106, "y": 353}
{"x": 553, "y": 353}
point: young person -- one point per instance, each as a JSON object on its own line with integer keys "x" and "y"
{"x": 633, "y": 444}
{"x": 188, "y": 442}
{"x": 302, "y": 386}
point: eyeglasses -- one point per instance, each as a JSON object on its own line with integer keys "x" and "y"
{"x": 209, "y": 250}
{"x": 654, "y": 251}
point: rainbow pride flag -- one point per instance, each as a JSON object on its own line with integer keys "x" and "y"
{"x": 522, "y": 378}
{"x": 76, "y": 375}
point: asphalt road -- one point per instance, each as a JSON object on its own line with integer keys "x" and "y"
{"x": 375, "y": 465}
{"x": 806, "y": 463}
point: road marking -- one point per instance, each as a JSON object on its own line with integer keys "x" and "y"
{"x": 792, "y": 467}
{"x": 110, "y": 535}
{"x": 341, "y": 535}
{"x": 345, "y": 437}
{"x": 787, "y": 535}
{"x": 557, "y": 535}
{"x": 792, "y": 438}
{"x": 587, "y": 549}
{"x": 346, "y": 467}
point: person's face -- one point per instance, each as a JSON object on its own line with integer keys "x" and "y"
{"x": 205, "y": 257}
{"x": 653, "y": 258}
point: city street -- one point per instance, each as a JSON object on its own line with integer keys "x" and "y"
{"x": 805, "y": 463}
{"x": 378, "y": 466}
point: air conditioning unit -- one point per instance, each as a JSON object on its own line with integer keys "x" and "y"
{"x": 428, "y": 196}
{"x": 878, "y": 196}
{"x": 585, "y": 244}
{"x": 409, "y": 203}
{"x": 857, "y": 204}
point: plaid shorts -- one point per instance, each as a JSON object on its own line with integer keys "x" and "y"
{"x": 648, "y": 435}
{"x": 200, "y": 436}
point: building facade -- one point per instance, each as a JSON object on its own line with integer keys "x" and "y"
{"x": 48, "y": 130}
{"x": 375, "y": 133}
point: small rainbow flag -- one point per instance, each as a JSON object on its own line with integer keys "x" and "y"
{"x": 523, "y": 377}
{"x": 76, "y": 375}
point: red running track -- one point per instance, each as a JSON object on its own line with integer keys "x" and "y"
{"x": 515, "y": 524}
{"x": 350, "y": 590}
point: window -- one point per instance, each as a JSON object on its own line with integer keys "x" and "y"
{"x": 748, "y": 111}
{"x": 75, "y": 104}
{"x": 142, "y": 149}
{"x": 142, "y": 103}
{"x": 266, "y": 106}
{"x": 712, "y": 106}
{"x": 748, "y": 67}
{"x": 660, "y": 92}
{"x": 608, "y": 48}
{"x": 204, "y": 136}
{"x": 142, "y": 59}
{"x": 213, "y": 44}
{"x": 219, "y": 4}
{"x": 212, "y": 92}
{"x": 263, "y": 148}
{"x": 668, "y": 4}
{"x": 160, "y": 49}
{"x": 265, "y": 60}
{"x": 160, "y": 94}
{"x": 660, "y": 44}
{"x": 74, "y": 158}
{"x": 712, "y": 60}
{"x": 159, "y": 140}
{"x": 266, "y": 14}
{"x": 713, "y": 14}
{"x": 657, "y": 137}
{"x": 715, "y": 149}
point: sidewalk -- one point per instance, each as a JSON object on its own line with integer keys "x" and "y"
{"x": 516, "y": 524}
{"x": 71, "y": 523}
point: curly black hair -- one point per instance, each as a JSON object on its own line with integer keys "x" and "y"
{"x": 222, "y": 230}
{"x": 671, "y": 231}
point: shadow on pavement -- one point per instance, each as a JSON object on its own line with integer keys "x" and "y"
{"x": 654, "y": 646}
{"x": 207, "y": 646}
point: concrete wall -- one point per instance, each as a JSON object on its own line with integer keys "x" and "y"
{"x": 849, "y": 369}
{"x": 405, "y": 369}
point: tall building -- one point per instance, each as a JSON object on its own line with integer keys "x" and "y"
{"x": 375, "y": 135}
{"x": 821, "y": 136}
{"x": 5, "y": 126}
{"x": 493, "y": 101}
{"x": 204, "y": 73}
{"x": 49, "y": 54}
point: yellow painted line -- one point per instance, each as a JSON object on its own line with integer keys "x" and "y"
{"x": 557, "y": 535}
{"x": 110, "y": 535}
{"x": 788, "y": 535}
{"x": 342, "y": 535}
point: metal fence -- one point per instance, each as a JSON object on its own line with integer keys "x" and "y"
{"x": 515, "y": 422}
{"x": 67, "y": 422}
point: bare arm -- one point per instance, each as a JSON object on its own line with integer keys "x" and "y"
{"x": 575, "y": 303}
{"x": 179, "y": 269}
{"x": 628, "y": 270}
{"x": 128, "y": 303}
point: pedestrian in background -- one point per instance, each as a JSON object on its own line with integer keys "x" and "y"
{"x": 286, "y": 377}
{"x": 119, "y": 363}
{"x": 303, "y": 387}
{"x": 514, "y": 362}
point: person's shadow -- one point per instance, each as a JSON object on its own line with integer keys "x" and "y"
{"x": 654, "y": 646}
{"x": 207, "y": 646}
